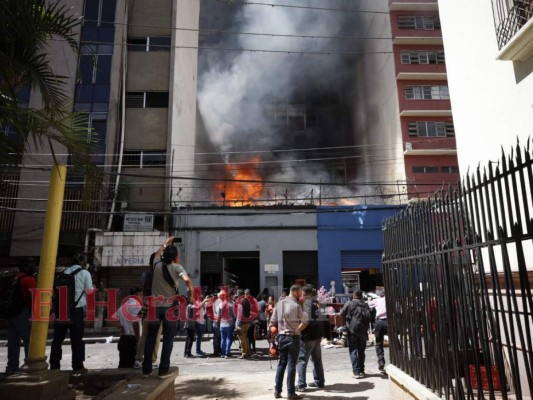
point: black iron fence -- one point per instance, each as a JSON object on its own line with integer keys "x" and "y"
{"x": 509, "y": 17}
{"x": 458, "y": 270}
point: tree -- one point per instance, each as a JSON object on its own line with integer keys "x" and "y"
{"x": 26, "y": 26}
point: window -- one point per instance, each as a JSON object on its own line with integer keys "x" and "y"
{"x": 430, "y": 128}
{"x": 149, "y": 43}
{"x": 425, "y": 170}
{"x": 449, "y": 170}
{"x": 426, "y": 92}
{"x": 144, "y": 159}
{"x": 422, "y": 57}
{"x": 428, "y": 23}
{"x": 97, "y": 12}
{"x": 147, "y": 99}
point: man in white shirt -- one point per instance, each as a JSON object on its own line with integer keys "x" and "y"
{"x": 129, "y": 322}
{"x": 380, "y": 326}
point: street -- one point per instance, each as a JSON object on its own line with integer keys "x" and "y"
{"x": 217, "y": 378}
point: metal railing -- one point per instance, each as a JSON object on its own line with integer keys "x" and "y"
{"x": 458, "y": 269}
{"x": 509, "y": 17}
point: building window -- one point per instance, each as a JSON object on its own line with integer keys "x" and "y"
{"x": 431, "y": 128}
{"x": 147, "y": 99}
{"x": 149, "y": 43}
{"x": 98, "y": 12}
{"x": 144, "y": 159}
{"x": 425, "y": 170}
{"x": 427, "y": 92}
{"x": 449, "y": 170}
{"x": 426, "y": 22}
{"x": 422, "y": 57}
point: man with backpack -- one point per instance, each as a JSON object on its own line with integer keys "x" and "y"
{"x": 19, "y": 313}
{"x": 70, "y": 307}
{"x": 358, "y": 316}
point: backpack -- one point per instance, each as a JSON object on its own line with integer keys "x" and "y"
{"x": 63, "y": 307}
{"x": 11, "y": 301}
{"x": 246, "y": 308}
{"x": 360, "y": 318}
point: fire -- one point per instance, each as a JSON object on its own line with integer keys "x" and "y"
{"x": 237, "y": 193}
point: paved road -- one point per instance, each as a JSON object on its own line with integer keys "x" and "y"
{"x": 216, "y": 378}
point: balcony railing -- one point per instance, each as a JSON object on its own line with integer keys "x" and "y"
{"x": 509, "y": 17}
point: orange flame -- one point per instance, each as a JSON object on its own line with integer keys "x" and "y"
{"x": 236, "y": 193}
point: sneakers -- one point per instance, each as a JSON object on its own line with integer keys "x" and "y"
{"x": 381, "y": 367}
{"x": 359, "y": 375}
{"x": 138, "y": 364}
{"x": 277, "y": 395}
{"x": 147, "y": 375}
{"x": 315, "y": 385}
{"x": 79, "y": 371}
{"x": 164, "y": 375}
{"x": 294, "y": 396}
{"x": 301, "y": 389}
{"x": 200, "y": 353}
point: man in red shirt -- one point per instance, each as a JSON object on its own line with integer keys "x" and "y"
{"x": 19, "y": 326}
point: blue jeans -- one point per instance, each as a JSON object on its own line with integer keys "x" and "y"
{"x": 310, "y": 348}
{"x": 17, "y": 328}
{"x": 169, "y": 331}
{"x": 226, "y": 339}
{"x": 200, "y": 328}
{"x": 289, "y": 347}
{"x": 380, "y": 330}
{"x": 356, "y": 346}
{"x": 76, "y": 326}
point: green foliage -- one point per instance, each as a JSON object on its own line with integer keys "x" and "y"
{"x": 26, "y": 28}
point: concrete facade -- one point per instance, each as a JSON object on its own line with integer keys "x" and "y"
{"x": 491, "y": 99}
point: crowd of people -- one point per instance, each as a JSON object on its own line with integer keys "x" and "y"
{"x": 293, "y": 325}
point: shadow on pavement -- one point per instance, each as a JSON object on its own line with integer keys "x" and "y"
{"x": 348, "y": 387}
{"x": 210, "y": 388}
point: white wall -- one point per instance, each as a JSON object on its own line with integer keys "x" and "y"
{"x": 492, "y": 101}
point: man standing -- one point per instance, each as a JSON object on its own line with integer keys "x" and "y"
{"x": 167, "y": 273}
{"x": 19, "y": 326}
{"x": 243, "y": 322}
{"x": 225, "y": 315}
{"x": 380, "y": 327}
{"x": 357, "y": 314}
{"x": 76, "y": 324}
{"x": 290, "y": 320}
{"x": 310, "y": 346}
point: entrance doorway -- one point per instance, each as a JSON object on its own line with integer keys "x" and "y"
{"x": 230, "y": 268}
{"x": 242, "y": 272}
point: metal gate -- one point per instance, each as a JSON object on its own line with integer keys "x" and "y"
{"x": 458, "y": 269}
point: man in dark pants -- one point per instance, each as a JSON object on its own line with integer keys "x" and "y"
{"x": 357, "y": 314}
{"x": 76, "y": 325}
{"x": 162, "y": 289}
{"x": 310, "y": 345}
{"x": 290, "y": 320}
{"x": 380, "y": 327}
{"x": 19, "y": 326}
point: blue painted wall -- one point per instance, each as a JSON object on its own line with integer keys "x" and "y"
{"x": 347, "y": 228}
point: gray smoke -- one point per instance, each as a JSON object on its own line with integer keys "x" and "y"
{"x": 238, "y": 90}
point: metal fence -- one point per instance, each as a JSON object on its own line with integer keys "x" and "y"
{"x": 458, "y": 270}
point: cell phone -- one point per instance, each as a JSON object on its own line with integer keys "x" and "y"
{"x": 176, "y": 240}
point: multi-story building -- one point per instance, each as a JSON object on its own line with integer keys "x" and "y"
{"x": 426, "y": 123}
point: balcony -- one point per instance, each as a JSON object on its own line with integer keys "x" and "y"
{"x": 513, "y": 20}
{"x": 431, "y": 147}
{"x": 413, "y": 5}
